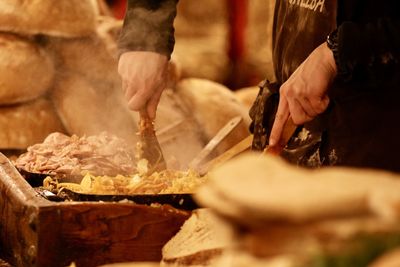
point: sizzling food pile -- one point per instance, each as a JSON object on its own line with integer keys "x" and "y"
{"x": 60, "y": 154}
{"x": 167, "y": 181}
{"x": 106, "y": 165}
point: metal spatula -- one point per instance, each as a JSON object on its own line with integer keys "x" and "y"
{"x": 228, "y": 128}
{"x": 150, "y": 147}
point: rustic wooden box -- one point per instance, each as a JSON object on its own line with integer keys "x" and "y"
{"x": 38, "y": 232}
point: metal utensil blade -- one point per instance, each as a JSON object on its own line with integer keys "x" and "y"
{"x": 150, "y": 147}
{"x": 215, "y": 141}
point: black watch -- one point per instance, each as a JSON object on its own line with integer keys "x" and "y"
{"x": 332, "y": 41}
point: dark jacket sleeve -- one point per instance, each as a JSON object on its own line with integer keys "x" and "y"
{"x": 370, "y": 47}
{"x": 148, "y": 26}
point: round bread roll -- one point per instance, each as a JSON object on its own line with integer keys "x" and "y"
{"x": 66, "y": 18}
{"x": 26, "y": 71}
{"x": 27, "y": 124}
{"x": 213, "y": 105}
{"x": 86, "y": 108}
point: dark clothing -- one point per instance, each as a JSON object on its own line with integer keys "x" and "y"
{"x": 298, "y": 31}
{"x": 359, "y": 128}
{"x": 369, "y": 32}
{"x": 148, "y": 26}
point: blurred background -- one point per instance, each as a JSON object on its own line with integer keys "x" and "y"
{"x": 230, "y": 39}
{"x": 58, "y": 72}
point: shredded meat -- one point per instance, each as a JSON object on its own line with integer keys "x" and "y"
{"x": 59, "y": 154}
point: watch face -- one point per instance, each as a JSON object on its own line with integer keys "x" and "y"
{"x": 331, "y": 40}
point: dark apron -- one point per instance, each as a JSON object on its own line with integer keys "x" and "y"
{"x": 359, "y": 128}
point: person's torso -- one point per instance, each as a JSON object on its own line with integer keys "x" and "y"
{"x": 359, "y": 127}
{"x": 299, "y": 27}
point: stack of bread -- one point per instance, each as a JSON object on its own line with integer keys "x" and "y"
{"x": 261, "y": 211}
{"x": 57, "y": 74}
{"x": 281, "y": 215}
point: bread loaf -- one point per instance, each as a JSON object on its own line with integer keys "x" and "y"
{"x": 27, "y": 124}
{"x": 213, "y": 105}
{"x": 26, "y": 70}
{"x": 66, "y": 18}
{"x": 201, "y": 239}
{"x": 264, "y": 188}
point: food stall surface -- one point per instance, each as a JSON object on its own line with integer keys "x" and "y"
{"x": 37, "y": 232}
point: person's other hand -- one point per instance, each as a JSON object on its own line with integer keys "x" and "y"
{"x": 304, "y": 94}
{"x": 144, "y": 77}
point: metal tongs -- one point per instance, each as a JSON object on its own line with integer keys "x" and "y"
{"x": 150, "y": 148}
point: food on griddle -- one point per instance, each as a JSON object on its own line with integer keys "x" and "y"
{"x": 167, "y": 181}
{"x": 60, "y": 154}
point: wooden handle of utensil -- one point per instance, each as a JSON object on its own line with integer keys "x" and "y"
{"x": 145, "y": 123}
{"x": 288, "y": 130}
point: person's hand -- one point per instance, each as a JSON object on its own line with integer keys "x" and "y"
{"x": 144, "y": 77}
{"x": 304, "y": 95}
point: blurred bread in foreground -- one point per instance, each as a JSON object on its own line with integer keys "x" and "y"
{"x": 265, "y": 188}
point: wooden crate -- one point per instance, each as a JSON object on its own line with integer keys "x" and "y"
{"x": 38, "y": 232}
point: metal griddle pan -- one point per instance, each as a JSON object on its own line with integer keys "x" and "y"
{"x": 179, "y": 201}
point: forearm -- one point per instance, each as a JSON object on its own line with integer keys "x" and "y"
{"x": 148, "y": 26}
{"x": 369, "y": 46}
